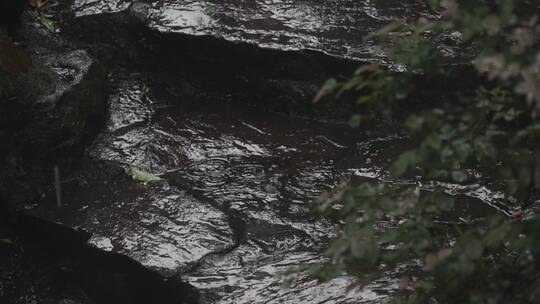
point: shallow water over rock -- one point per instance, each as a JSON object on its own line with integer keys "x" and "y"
{"x": 237, "y": 188}
{"x": 335, "y": 27}
{"x": 232, "y": 208}
{"x": 232, "y": 211}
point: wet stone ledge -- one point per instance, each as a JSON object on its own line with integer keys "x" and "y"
{"x": 206, "y": 67}
{"x": 331, "y": 27}
{"x": 234, "y": 62}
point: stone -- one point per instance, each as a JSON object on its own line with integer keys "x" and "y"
{"x": 10, "y": 10}
{"x": 53, "y": 106}
{"x": 52, "y": 102}
{"x": 335, "y": 27}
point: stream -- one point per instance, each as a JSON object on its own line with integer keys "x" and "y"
{"x": 240, "y": 166}
{"x": 233, "y": 209}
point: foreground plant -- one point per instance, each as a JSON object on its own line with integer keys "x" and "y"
{"x": 489, "y": 134}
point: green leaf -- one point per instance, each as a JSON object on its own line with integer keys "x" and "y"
{"x": 48, "y": 23}
{"x": 459, "y": 176}
{"x": 405, "y": 161}
{"x": 389, "y": 236}
{"x": 472, "y": 247}
{"x": 356, "y": 120}
{"x": 497, "y": 235}
{"x": 142, "y": 176}
{"x": 433, "y": 141}
{"x": 445, "y": 202}
{"x": 431, "y": 262}
{"x": 414, "y": 122}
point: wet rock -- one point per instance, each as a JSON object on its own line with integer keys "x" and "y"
{"x": 284, "y": 81}
{"x": 232, "y": 209}
{"x": 240, "y": 180}
{"x": 272, "y": 54}
{"x": 53, "y": 96}
{"x": 112, "y": 278}
{"x": 31, "y": 276}
{"x": 73, "y": 106}
{"x": 52, "y": 104}
{"x": 49, "y": 263}
{"x": 333, "y": 27}
{"x": 62, "y": 101}
{"x": 115, "y": 39}
{"x": 52, "y": 101}
{"x": 234, "y": 202}
{"x": 160, "y": 227}
{"x": 13, "y": 62}
{"x": 250, "y": 276}
{"x": 13, "y": 59}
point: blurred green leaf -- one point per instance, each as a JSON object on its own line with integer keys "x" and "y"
{"x": 47, "y": 23}
{"x": 142, "y": 176}
{"x": 406, "y": 161}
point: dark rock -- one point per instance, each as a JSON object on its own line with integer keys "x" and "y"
{"x": 10, "y": 10}
{"x": 73, "y": 105}
{"x": 56, "y": 106}
{"x": 44, "y": 262}
{"x": 52, "y": 96}
{"x": 112, "y": 278}
{"x": 27, "y": 277}
{"x": 211, "y": 67}
{"x": 13, "y": 59}
{"x": 52, "y": 102}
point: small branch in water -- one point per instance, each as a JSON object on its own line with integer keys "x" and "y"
{"x": 57, "y": 186}
{"x": 254, "y": 128}
{"x": 335, "y": 144}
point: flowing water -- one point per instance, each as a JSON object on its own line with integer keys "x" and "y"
{"x": 334, "y": 27}
{"x": 232, "y": 210}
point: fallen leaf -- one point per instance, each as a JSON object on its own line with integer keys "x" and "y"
{"x": 326, "y": 89}
{"x": 142, "y": 176}
{"x": 48, "y": 23}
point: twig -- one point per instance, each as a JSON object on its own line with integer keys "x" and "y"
{"x": 57, "y": 186}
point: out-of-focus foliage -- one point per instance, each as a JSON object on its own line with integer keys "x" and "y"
{"x": 488, "y": 135}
